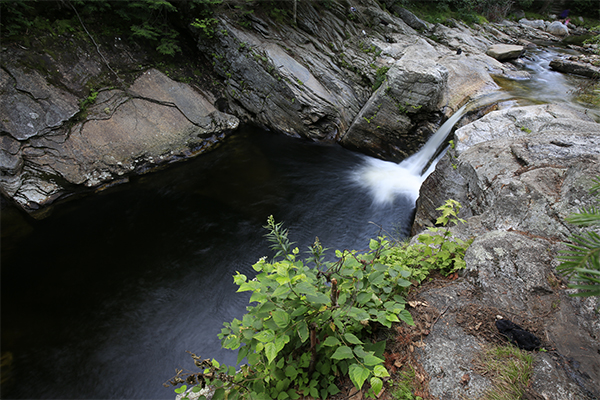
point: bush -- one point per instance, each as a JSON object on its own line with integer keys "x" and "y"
{"x": 311, "y": 322}
{"x": 581, "y": 262}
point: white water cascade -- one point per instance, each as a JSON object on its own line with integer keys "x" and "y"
{"x": 385, "y": 180}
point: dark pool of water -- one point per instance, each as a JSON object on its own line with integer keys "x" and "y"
{"x": 102, "y": 299}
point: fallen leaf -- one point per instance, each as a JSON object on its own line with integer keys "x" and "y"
{"x": 416, "y": 303}
{"x": 465, "y": 379}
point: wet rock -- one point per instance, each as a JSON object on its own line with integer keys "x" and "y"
{"x": 384, "y": 124}
{"x": 519, "y": 122}
{"x": 30, "y": 106}
{"x": 503, "y": 52}
{"x": 576, "y": 67}
{"x": 411, "y": 19}
{"x": 537, "y": 24}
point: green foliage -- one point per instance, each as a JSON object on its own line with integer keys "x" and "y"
{"x": 403, "y": 389}
{"x": 469, "y": 11}
{"x": 15, "y": 17}
{"x": 380, "y": 77}
{"x": 88, "y": 101}
{"x": 153, "y": 21}
{"x": 581, "y": 262}
{"x": 310, "y": 321}
{"x": 594, "y": 40}
{"x": 436, "y": 250}
{"x": 205, "y": 25}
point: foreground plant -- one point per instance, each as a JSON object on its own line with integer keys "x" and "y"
{"x": 310, "y": 322}
{"x": 581, "y": 262}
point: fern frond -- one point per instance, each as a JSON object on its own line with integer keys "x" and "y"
{"x": 585, "y": 217}
{"x": 596, "y": 187}
{"x": 585, "y": 253}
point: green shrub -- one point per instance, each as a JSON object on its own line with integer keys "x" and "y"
{"x": 581, "y": 262}
{"x": 310, "y": 322}
{"x": 436, "y": 250}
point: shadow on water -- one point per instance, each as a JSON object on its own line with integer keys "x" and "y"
{"x": 102, "y": 299}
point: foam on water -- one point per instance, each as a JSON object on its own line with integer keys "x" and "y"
{"x": 385, "y": 180}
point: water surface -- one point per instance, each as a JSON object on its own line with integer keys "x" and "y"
{"x": 102, "y": 299}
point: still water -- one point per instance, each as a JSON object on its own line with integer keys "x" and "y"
{"x": 102, "y": 299}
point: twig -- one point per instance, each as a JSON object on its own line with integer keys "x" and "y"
{"x": 439, "y": 316}
{"x": 95, "y": 44}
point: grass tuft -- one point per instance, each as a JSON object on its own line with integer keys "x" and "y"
{"x": 510, "y": 370}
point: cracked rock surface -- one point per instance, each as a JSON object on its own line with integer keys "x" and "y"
{"x": 154, "y": 122}
{"x": 516, "y": 187}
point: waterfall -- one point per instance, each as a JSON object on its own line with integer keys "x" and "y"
{"x": 385, "y": 180}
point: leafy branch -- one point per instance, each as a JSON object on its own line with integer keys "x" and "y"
{"x": 581, "y": 261}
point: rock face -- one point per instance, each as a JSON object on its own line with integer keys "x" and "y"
{"x": 518, "y": 173}
{"x": 410, "y": 88}
{"x": 318, "y": 81}
{"x": 154, "y": 122}
{"x": 372, "y": 83}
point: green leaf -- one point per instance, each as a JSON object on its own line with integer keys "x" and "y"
{"x": 363, "y": 298}
{"x": 373, "y": 244}
{"x": 265, "y": 336}
{"x": 303, "y": 331}
{"x": 358, "y": 375}
{"x": 181, "y": 389}
{"x": 371, "y": 360}
{"x": 291, "y": 372}
{"x": 270, "y": 351}
{"x": 333, "y": 389}
{"x": 376, "y": 385}
{"x": 280, "y": 341}
{"x": 281, "y": 292}
{"x": 331, "y": 341}
{"x": 377, "y": 278}
{"x": 196, "y": 389}
{"x": 281, "y": 318}
{"x": 351, "y": 338}
{"x": 585, "y": 217}
{"x": 342, "y": 353}
{"x": 406, "y": 317}
{"x": 319, "y": 298}
{"x": 358, "y": 314}
{"x": 380, "y": 371}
